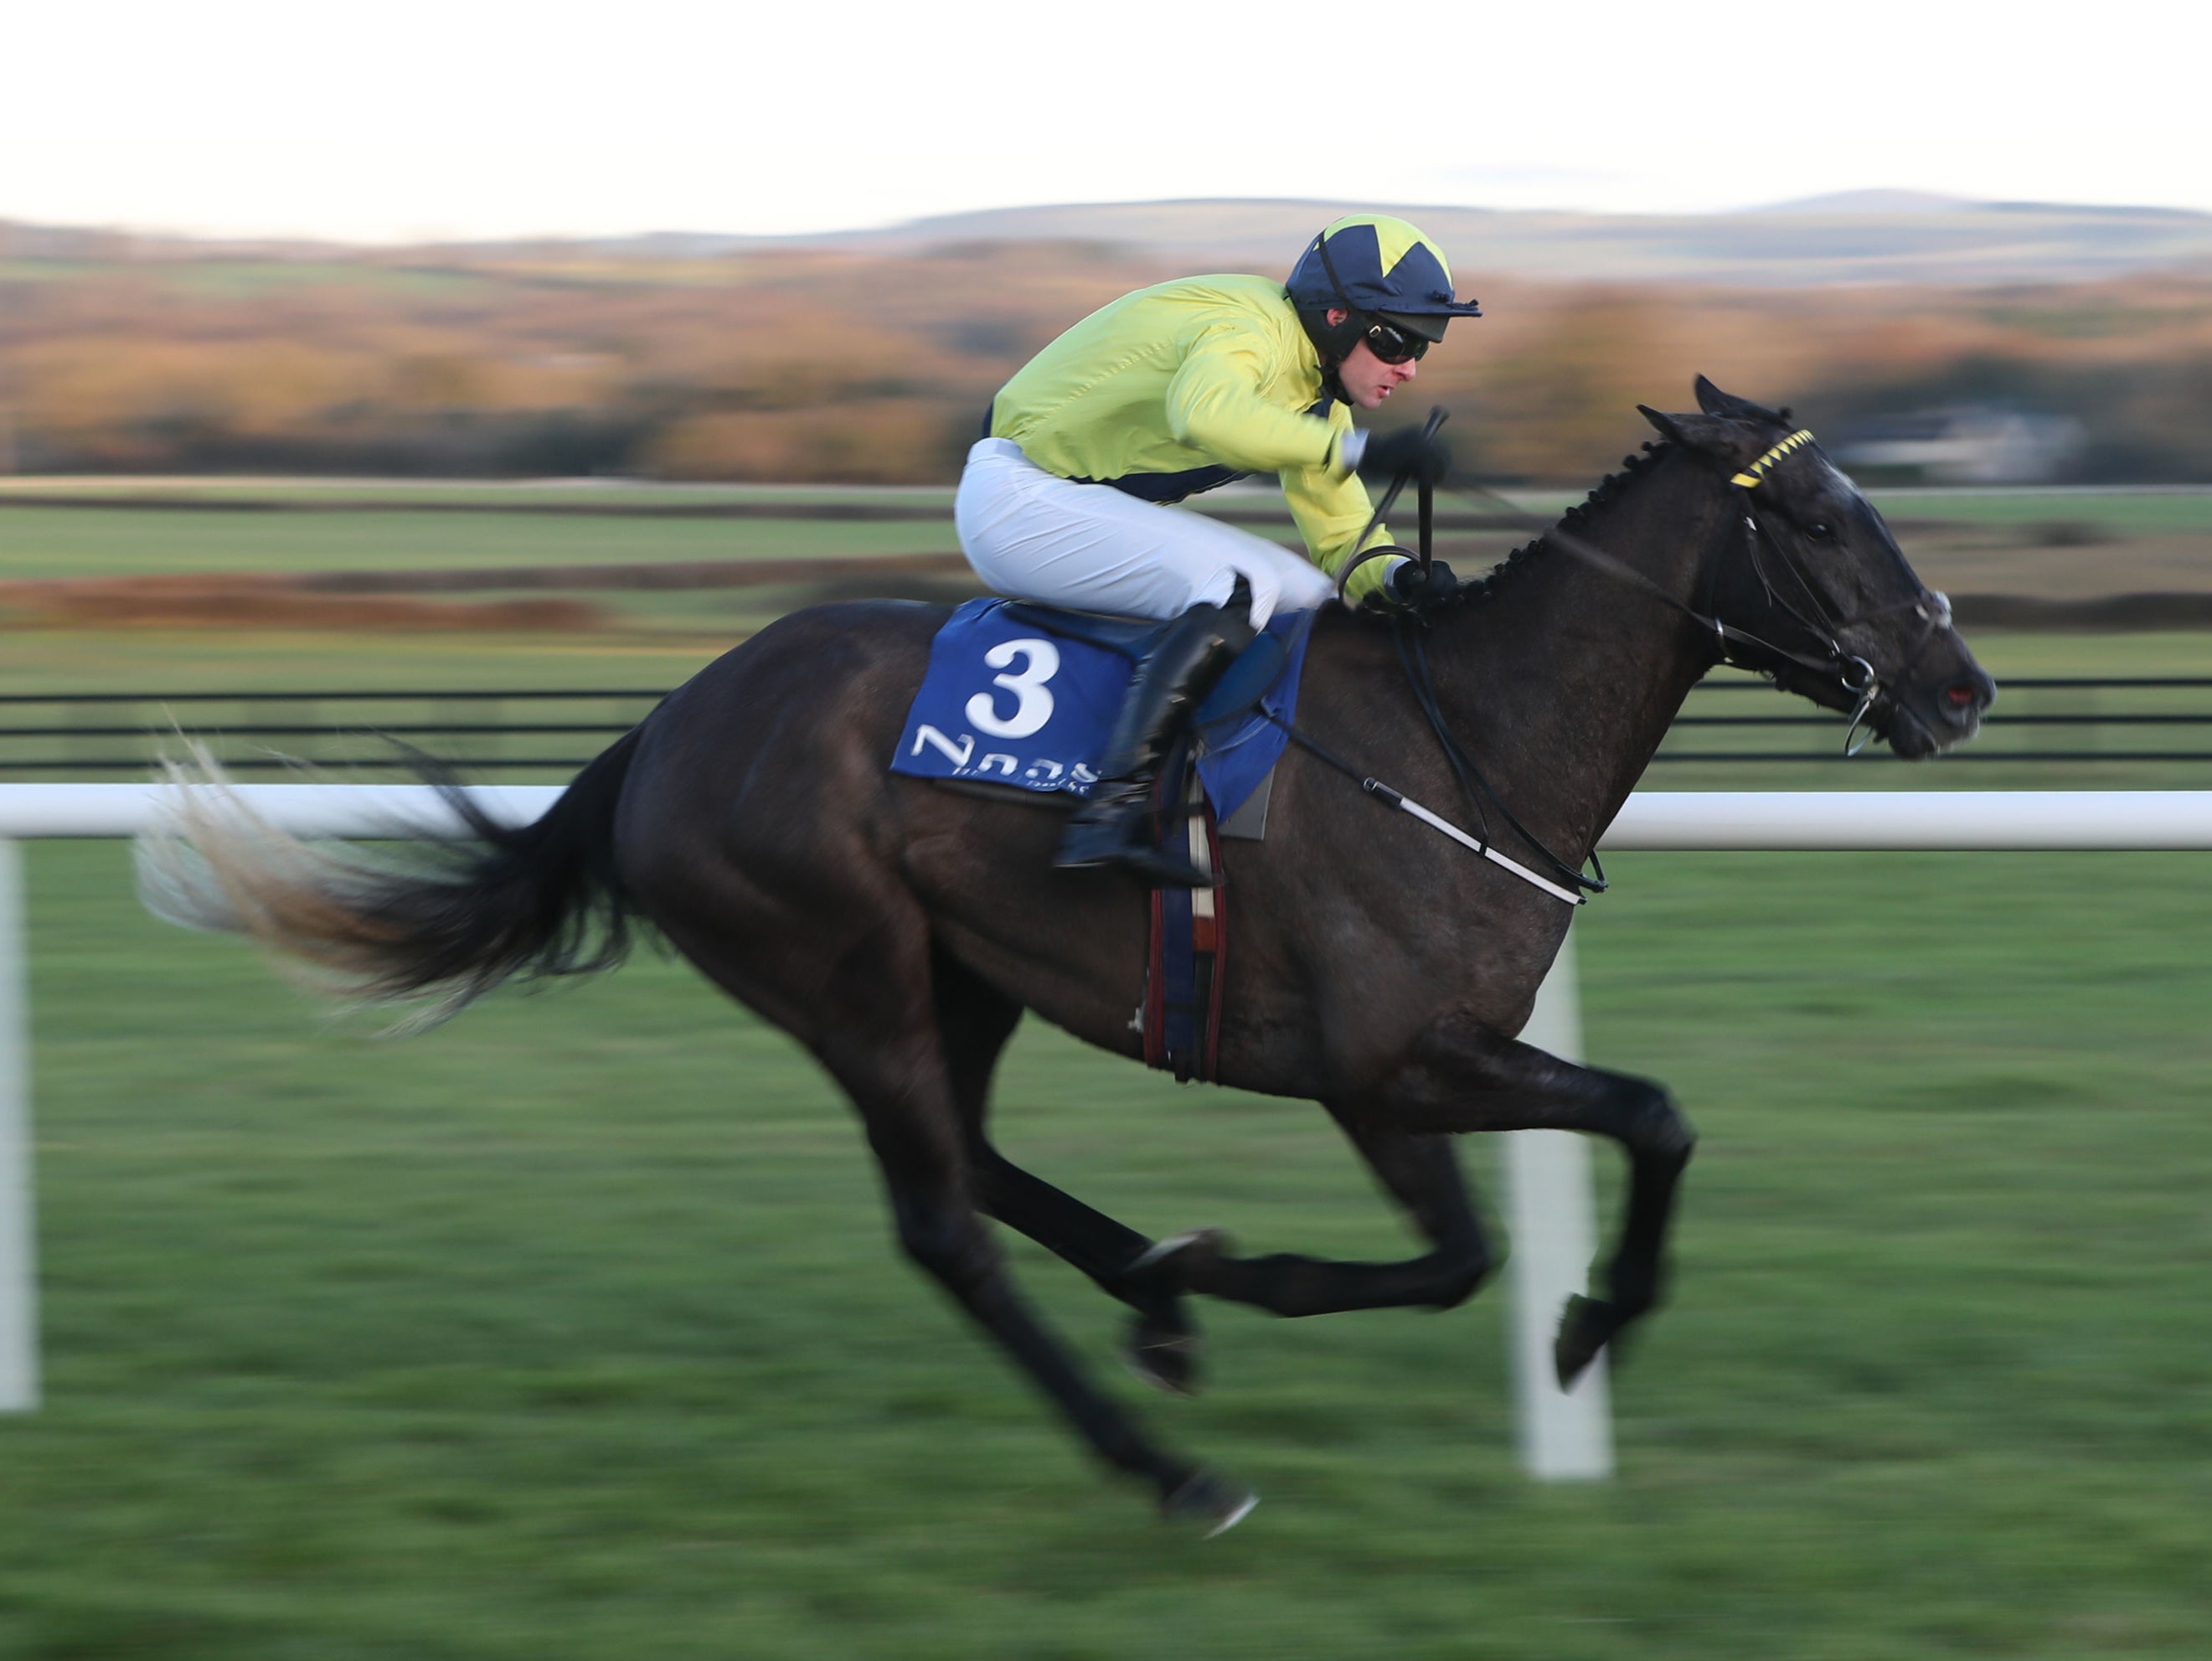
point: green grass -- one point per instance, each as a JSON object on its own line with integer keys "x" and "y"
{"x": 545, "y": 492}
{"x": 38, "y": 542}
{"x": 190, "y": 661}
{"x": 2146, "y": 512}
{"x": 573, "y": 1328}
{"x": 47, "y": 544}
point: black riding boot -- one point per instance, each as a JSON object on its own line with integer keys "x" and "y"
{"x": 1114, "y": 825}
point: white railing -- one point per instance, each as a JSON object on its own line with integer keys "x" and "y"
{"x": 1549, "y": 1204}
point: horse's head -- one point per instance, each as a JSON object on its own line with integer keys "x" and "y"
{"x": 1813, "y": 588}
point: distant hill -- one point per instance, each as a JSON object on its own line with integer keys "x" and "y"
{"x": 1887, "y": 236}
{"x": 1859, "y": 237}
{"x": 1870, "y": 202}
{"x": 866, "y": 357}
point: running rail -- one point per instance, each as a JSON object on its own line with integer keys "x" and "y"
{"x": 1548, "y": 1201}
{"x": 1714, "y": 819}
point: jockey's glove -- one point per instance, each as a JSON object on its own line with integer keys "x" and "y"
{"x": 1422, "y": 592}
{"x": 1409, "y": 590}
{"x": 1425, "y": 459}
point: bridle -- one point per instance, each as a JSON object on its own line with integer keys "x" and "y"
{"x": 1736, "y": 647}
{"x": 1829, "y": 660}
{"x": 1853, "y": 673}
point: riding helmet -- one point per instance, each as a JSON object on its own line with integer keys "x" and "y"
{"x": 1372, "y": 266}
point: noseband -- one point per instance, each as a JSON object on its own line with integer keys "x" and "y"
{"x": 1743, "y": 650}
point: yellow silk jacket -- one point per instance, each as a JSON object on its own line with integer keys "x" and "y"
{"x": 1178, "y": 388}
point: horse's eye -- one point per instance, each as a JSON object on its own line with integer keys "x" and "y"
{"x": 1821, "y": 531}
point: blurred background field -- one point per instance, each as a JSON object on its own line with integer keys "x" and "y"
{"x": 139, "y": 592}
{"x": 1954, "y": 342}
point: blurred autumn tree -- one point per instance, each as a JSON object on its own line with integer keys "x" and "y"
{"x": 816, "y": 366}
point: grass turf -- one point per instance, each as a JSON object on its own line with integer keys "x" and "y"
{"x": 38, "y": 543}
{"x": 573, "y": 1329}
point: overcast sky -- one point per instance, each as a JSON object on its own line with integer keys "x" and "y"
{"x": 479, "y": 117}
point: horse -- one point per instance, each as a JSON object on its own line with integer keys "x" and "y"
{"x": 898, "y": 930}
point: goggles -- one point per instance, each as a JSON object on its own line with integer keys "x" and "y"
{"x": 1391, "y": 345}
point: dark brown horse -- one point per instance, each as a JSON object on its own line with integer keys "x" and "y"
{"x": 898, "y": 930}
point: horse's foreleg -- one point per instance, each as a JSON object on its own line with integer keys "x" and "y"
{"x": 1465, "y": 1077}
{"x": 1422, "y": 1173}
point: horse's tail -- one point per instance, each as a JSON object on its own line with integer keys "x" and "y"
{"x": 434, "y": 930}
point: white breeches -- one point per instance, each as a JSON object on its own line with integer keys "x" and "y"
{"x": 1031, "y": 535}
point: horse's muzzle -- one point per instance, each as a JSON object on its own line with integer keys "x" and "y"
{"x": 1931, "y": 716}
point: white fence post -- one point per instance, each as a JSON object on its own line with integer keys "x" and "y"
{"x": 1565, "y": 1435}
{"x": 19, "y": 1280}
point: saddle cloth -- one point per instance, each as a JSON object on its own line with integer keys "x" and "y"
{"x": 1024, "y": 696}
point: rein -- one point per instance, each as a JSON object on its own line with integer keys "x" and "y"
{"x": 1413, "y": 657}
{"x": 1738, "y": 648}
{"x": 1425, "y": 494}
{"x": 1405, "y": 804}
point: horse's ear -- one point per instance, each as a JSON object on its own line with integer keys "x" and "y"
{"x": 1715, "y": 402}
{"x": 1715, "y": 434}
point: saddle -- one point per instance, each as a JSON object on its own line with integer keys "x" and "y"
{"x": 1021, "y": 697}
{"x": 1248, "y": 680}
{"x": 1018, "y": 701}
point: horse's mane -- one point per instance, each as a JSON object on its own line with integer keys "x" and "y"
{"x": 1606, "y": 490}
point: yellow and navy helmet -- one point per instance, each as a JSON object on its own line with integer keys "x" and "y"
{"x": 1373, "y": 265}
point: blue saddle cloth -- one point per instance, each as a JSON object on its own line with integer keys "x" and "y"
{"x": 1025, "y": 696}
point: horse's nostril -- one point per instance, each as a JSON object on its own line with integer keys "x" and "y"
{"x": 1958, "y": 694}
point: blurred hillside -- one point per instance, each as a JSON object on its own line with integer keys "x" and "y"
{"x": 871, "y": 357}
{"x": 1860, "y": 236}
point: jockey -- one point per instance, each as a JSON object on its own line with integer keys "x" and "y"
{"x": 1177, "y": 389}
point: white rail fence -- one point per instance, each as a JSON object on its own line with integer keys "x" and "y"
{"x": 1548, "y": 1201}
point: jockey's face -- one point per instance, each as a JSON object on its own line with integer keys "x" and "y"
{"x": 1368, "y": 380}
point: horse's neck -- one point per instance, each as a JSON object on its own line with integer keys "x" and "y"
{"x": 1574, "y": 673}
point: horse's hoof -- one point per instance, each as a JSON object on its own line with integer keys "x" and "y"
{"x": 1214, "y": 1502}
{"x": 1166, "y": 1358}
{"x": 1156, "y": 1257}
{"x": 1585, "y": 1327}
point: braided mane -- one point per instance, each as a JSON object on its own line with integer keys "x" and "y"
{"x": 1607, "y": 489}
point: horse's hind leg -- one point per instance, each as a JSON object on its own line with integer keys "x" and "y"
{"x": 916, "y": 1138}
{"x": 974, "y": 1021}
{"x": 1423, "y": 1174}
{"x": 870, "y": 1018}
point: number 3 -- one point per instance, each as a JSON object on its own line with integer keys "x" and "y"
{"x": 1034, "y": 708}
